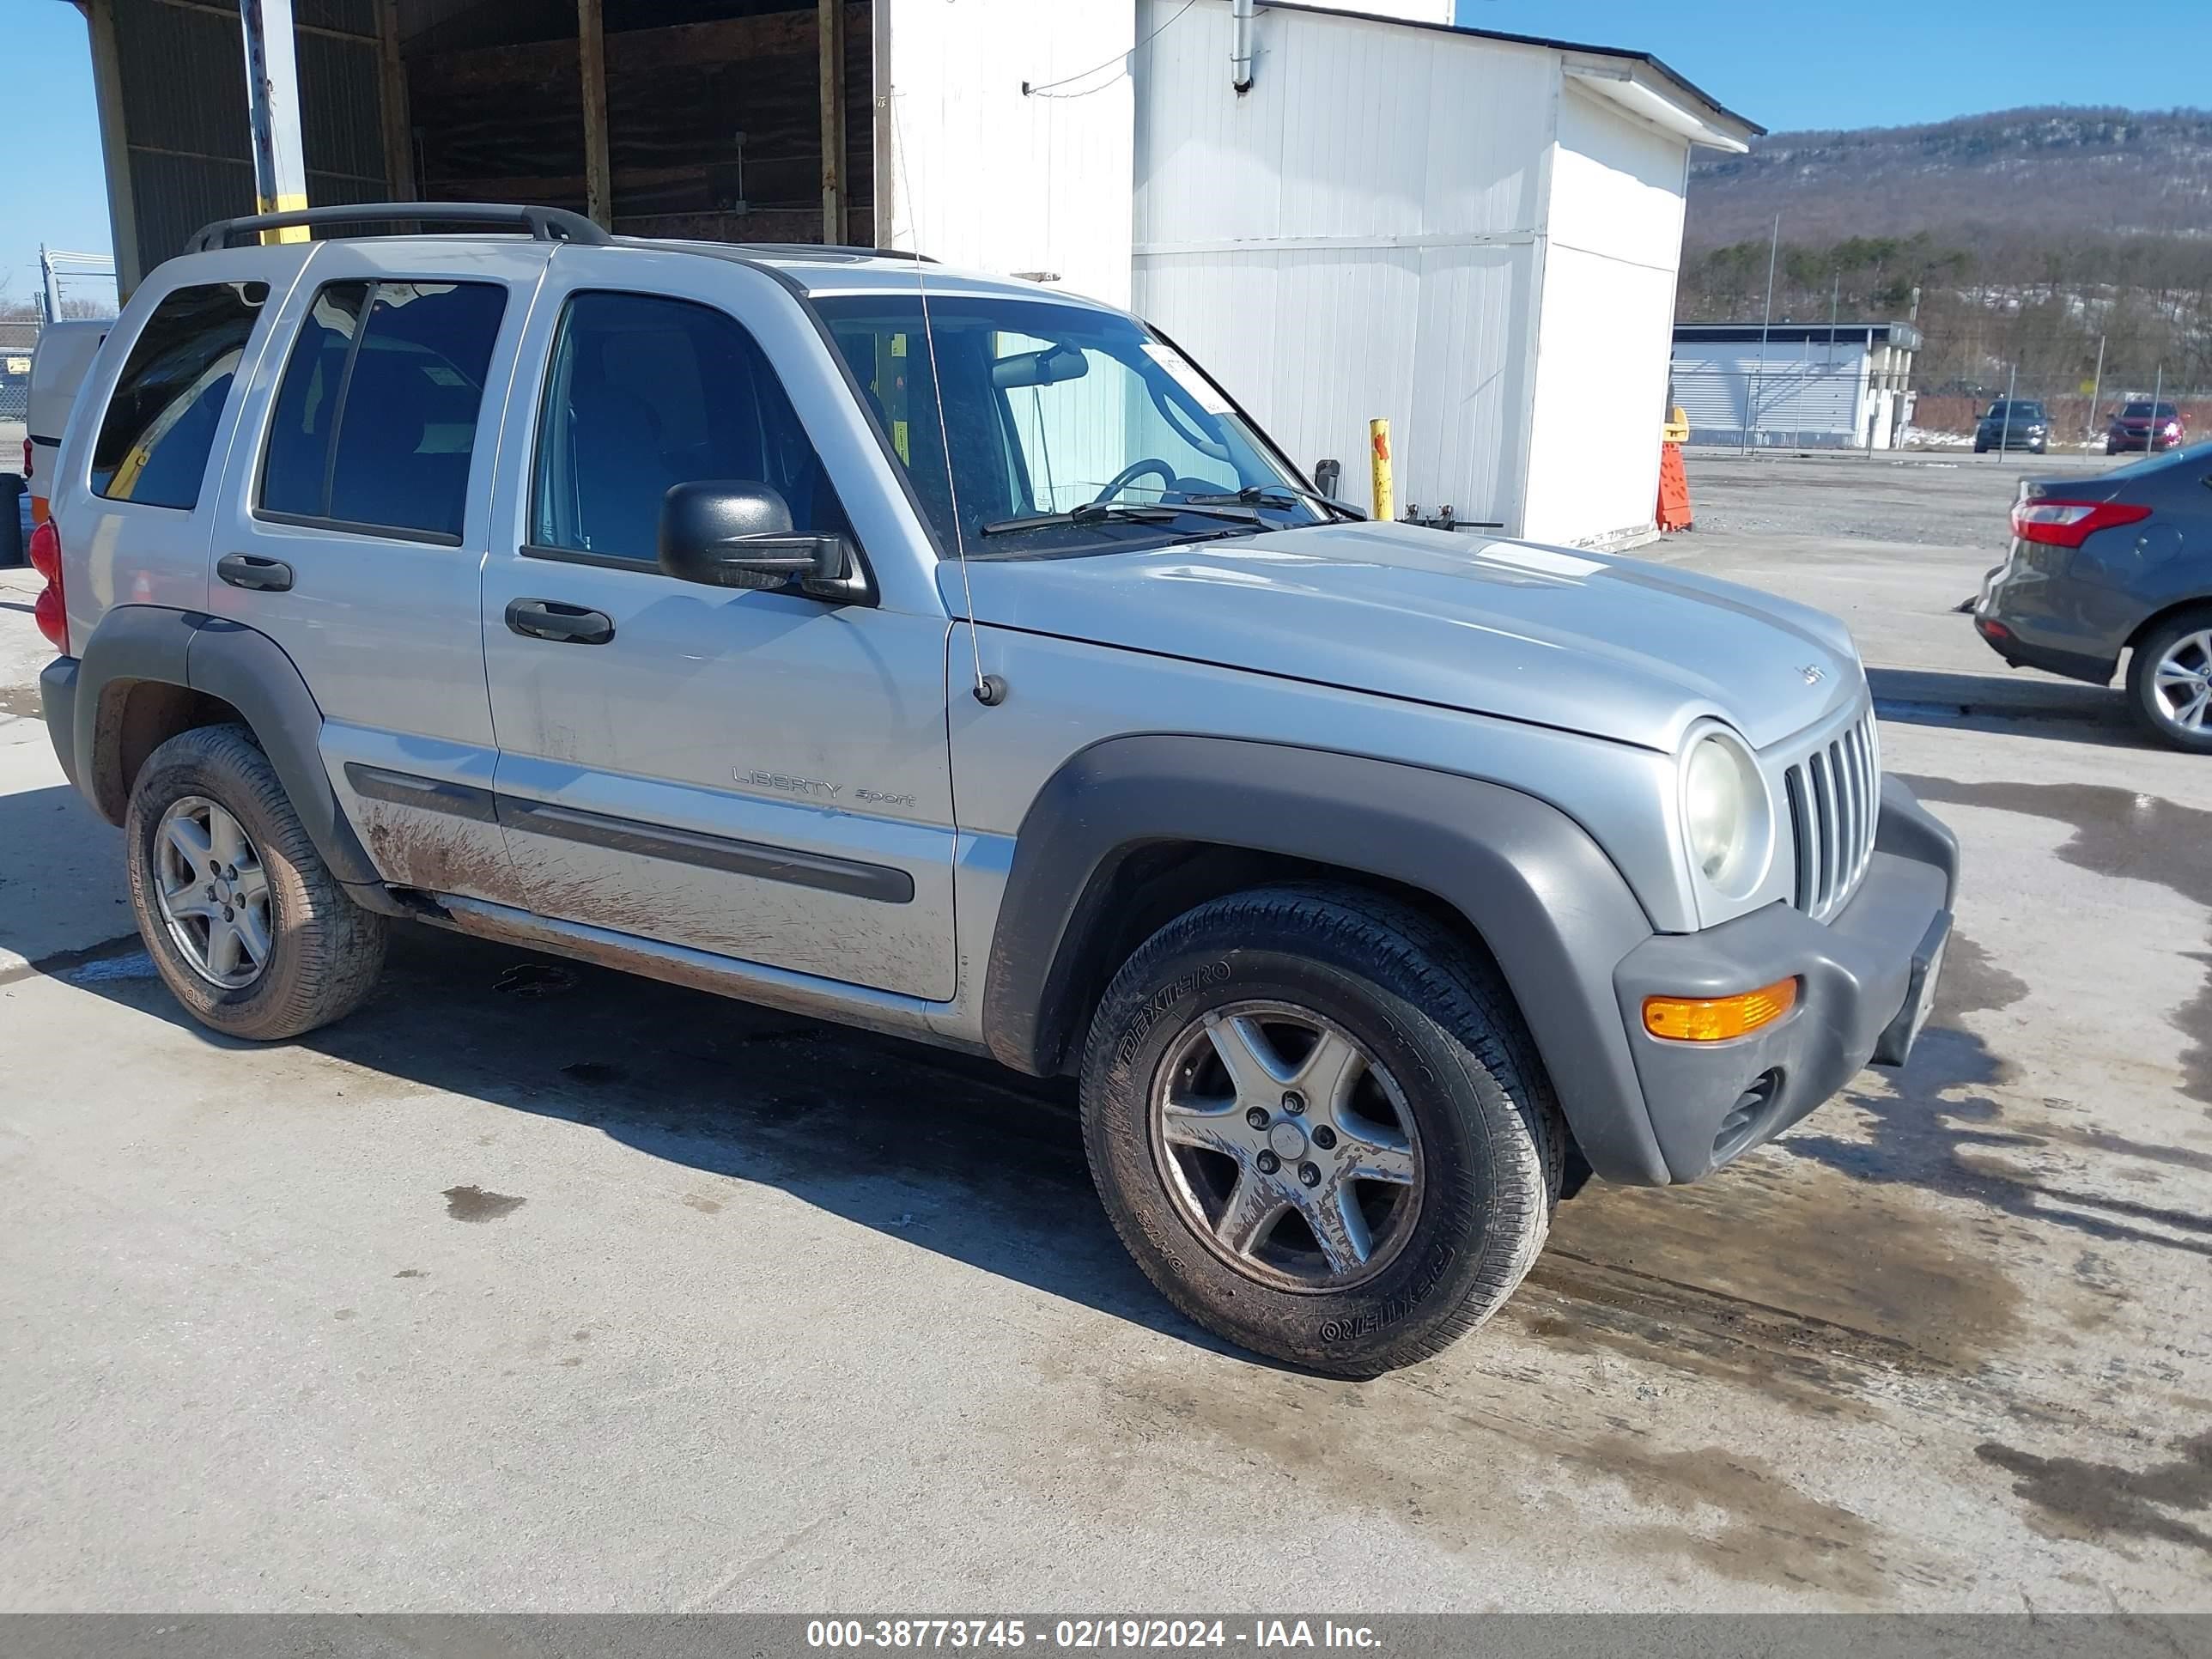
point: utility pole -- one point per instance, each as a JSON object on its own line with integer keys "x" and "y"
{"x": 1835, "y": 298}
{"x": 2004, "y": 427}
{"x": 272, "y": 107}
{"x": 2096, "y": 389}
{"x": 1765, "y": 323}
{"x": 2150, "y": 432}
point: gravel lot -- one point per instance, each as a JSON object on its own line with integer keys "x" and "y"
{"x": 536, "y": 1287}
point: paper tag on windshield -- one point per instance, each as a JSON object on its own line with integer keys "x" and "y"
{"x": 1180, "y": 370}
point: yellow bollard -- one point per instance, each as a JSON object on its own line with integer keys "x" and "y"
{"x": 1378, "y": 440}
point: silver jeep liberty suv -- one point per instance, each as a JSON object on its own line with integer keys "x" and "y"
{"x": 948, "y": 656}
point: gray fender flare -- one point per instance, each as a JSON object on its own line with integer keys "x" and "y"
{"x": 249, "y": 670}
{"x": 1552, "y": 908}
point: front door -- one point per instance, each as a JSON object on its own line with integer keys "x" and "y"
{"x": 757, "y": 774}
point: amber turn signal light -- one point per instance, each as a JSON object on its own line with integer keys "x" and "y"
{"x": 1716, "y": 1019}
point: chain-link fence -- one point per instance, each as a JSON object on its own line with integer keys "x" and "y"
{"x": 18, "y": 341}
{"x": 2040, "y": 415}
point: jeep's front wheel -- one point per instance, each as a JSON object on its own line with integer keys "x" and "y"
{"x": 248, "y": 926}
{"x": 1317, "y": 1122}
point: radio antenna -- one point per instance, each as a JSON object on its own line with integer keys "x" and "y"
{"x": 989, "y": 690}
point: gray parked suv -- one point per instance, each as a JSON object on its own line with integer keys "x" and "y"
{"x": 948, "y": 656}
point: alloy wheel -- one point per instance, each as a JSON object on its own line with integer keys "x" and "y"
{"x": 213, "y": 892}
{"x": 2181, "y": 685}
{"x": 1287, "y": 1146}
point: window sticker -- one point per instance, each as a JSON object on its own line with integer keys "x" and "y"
{"x": 1184, "y": 374}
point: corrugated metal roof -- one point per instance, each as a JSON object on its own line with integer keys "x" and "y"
{"x": 1645, "y": 58}
{"x": 1903, "y": 335}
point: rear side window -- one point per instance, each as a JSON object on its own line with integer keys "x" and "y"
{"x": 161, "y": 423}
{"x": 645, "y": 393}
{"x": 376, "y": 416}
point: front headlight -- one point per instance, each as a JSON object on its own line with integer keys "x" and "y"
{"x": 1725, "y": 818}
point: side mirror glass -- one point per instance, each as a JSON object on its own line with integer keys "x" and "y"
{"x": 733, "y": 533}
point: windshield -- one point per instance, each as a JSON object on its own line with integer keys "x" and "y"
{"x": 1050, "y": 409}
{"x": 2017, "y": 412}
{"x": 2144, "y": 412}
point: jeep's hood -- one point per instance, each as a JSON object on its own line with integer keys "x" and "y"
{"x": 1592, "y": 642}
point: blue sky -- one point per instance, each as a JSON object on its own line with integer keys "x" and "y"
{"x": 1893, "y": 63}
{"x": 1881, "y": 62}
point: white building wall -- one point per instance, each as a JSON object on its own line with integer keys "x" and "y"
{"x": 1604, "y": 339}
{"x": 973, "y": 171}
{"x": 1353, "y": 237}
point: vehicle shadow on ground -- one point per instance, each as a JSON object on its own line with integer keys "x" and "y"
{"x": 2060, "y": 710}
{"x": 946, "y": 1152}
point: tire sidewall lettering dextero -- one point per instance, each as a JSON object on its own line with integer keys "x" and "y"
{"x": 325, "y": 951}
{"x": 1406, "y": 994}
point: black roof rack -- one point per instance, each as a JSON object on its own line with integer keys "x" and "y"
{"x": 544, "y": 224}
{"x": 851, "y": 251}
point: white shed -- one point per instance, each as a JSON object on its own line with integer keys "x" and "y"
{"x": 1475, "y": 234}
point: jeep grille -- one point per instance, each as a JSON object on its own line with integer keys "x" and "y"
{"x": 1835, "y": 796}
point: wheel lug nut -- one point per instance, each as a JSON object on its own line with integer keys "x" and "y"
{"x": 1310, "y": 1173}
{"x": 1323, "y": 1136}
{"x": 230, "y": 873}
{"x": 1268, "y": 1163}
{"x": 1257, "y": 1117}
{"x": 1294, "y": 1102}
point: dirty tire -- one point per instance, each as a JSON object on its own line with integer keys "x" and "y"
{"x": 325, "y": 950}
{"x": 2142, "y": 695}
{"x": 1425, "y": 1005}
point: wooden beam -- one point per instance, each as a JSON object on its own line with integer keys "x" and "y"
{"x": 392, "y": 98}
{"x": 829, "y": 28}
{"x": 591, "y": 59}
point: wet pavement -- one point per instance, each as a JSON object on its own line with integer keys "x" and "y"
{"x": 534, "y": 1286}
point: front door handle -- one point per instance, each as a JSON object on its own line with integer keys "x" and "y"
{"x": 262, "y": 575}
{"x": 550, "y": 619}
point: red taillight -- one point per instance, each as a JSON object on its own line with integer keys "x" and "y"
{"x": 2069, "y": 524}
{"x": 51, "y": 611}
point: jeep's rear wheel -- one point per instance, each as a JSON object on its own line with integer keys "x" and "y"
{"x": 250, "y": 930}
{"x": 1317, "y": 1122}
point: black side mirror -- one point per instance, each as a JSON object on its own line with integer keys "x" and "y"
{"x": 726, "y": 533}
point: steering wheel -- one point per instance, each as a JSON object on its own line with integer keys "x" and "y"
{"x": 1129, "y": 474}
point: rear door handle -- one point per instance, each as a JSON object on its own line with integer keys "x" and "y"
{"x": 550, "y": 619}
{"x": 262, "y": 575}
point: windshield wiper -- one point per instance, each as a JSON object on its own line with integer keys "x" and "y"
{"x": 1278, "y": 494}
{"x": 1128, "y": 513}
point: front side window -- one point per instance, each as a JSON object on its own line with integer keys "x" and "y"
{"x": 376, "y": 417}
{"x": 159, "y": 426}
{"x": 644, "y": 393}
{"x": 1051, "y": 413}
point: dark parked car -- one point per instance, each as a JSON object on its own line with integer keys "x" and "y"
{"x": 2019, "y": 424}
{"x": 2143, "y": 424}
{"x": 2119, "y": 563}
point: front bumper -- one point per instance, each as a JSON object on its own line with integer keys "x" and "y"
{"x": 1867, "y": 978}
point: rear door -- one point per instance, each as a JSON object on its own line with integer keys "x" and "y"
{"x": 760, "y": 775}
{"x": 353, "y": 530}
